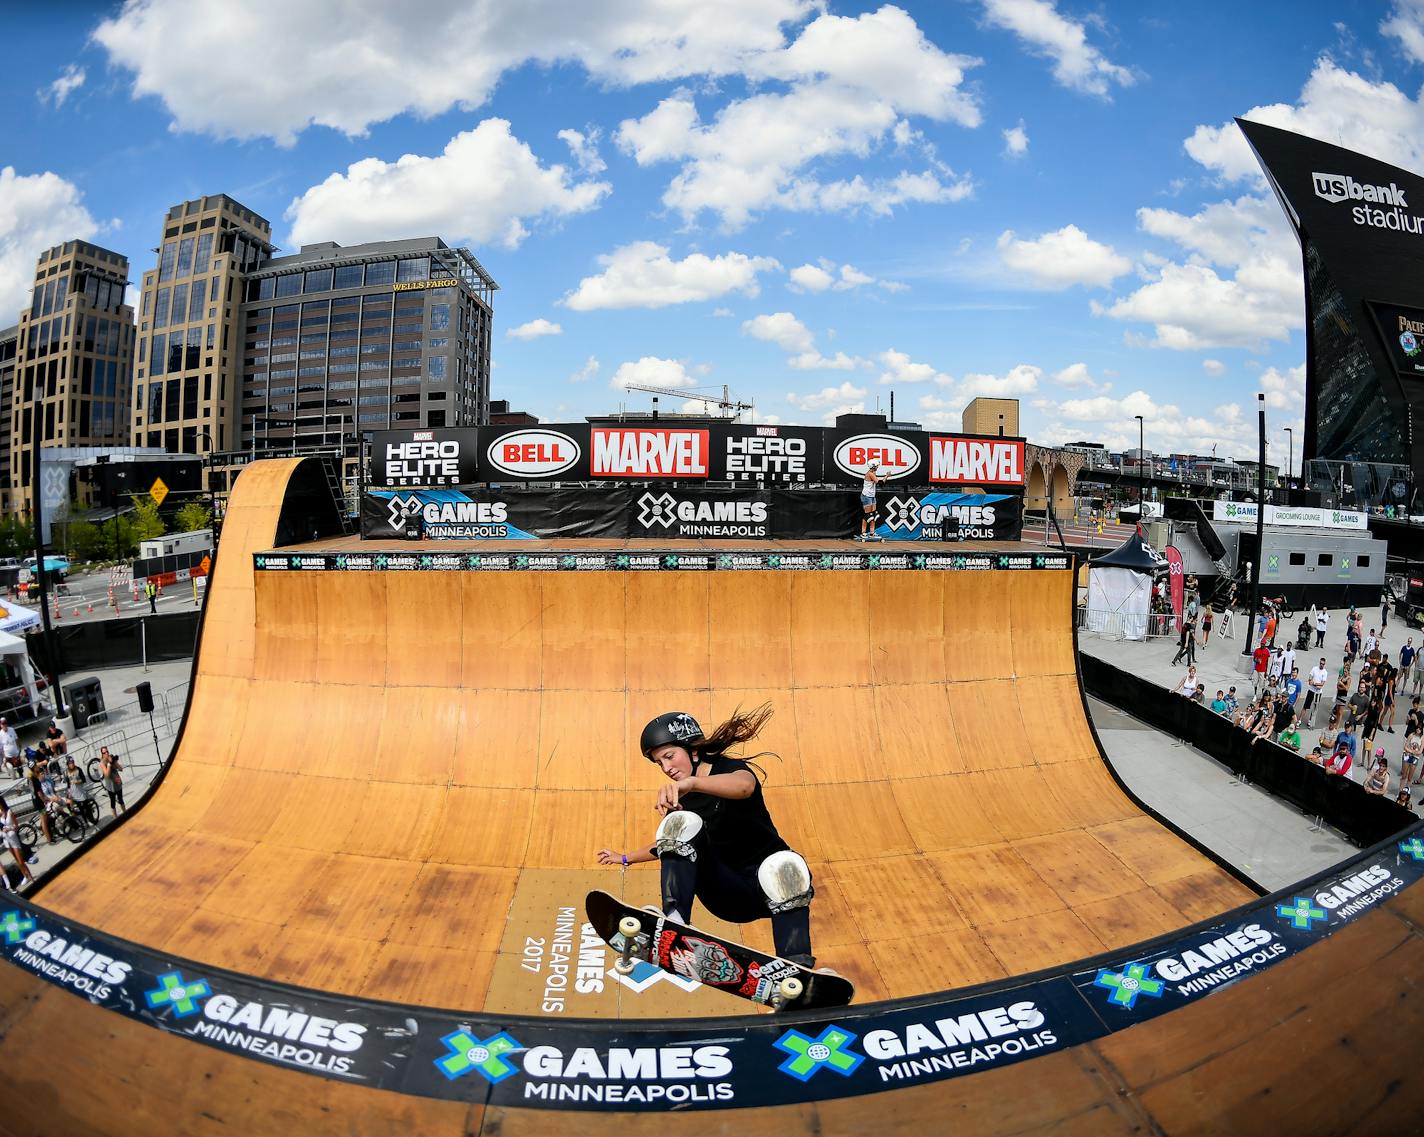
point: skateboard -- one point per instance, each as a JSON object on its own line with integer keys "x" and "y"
{"x": 725, "y": 965}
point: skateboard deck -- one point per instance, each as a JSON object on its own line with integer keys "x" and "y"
{"x": 721, "y": 964}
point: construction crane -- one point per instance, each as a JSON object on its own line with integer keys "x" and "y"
{"x": 725, "y": 403}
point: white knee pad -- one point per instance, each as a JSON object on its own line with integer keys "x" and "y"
{"x": 786, "y": 880}
{"x": 676, "y": 832}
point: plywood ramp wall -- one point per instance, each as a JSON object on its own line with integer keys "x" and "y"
{"x": 395, "y": 784}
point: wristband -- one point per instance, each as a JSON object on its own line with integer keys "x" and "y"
{"x": 625, "y": 860}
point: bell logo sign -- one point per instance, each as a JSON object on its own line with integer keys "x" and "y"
{"x": 533, "y": 453}
{"x": 977, "y": 461}
{"x": 895, "y": 457}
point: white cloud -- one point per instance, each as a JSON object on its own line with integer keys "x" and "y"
{"x": 1168, "y": 428}
{"x": 481, "y": 189}
{"x": 901, "y": 369}
{"x": 794, "y": 338}
{"x": 1020, "y": 380}
{"x": 69, "y": 81}
{"x": 1405, "y": 23}
{"x": 196, "y": 55}
{"x": 722, "y": 312}
{"x": 850, "y": 81}
{"x": 1045, "y": 31}
{"x": 37, "y": 211}
{"x": 589, "y": 369}
{"x": 831, "y": 401}
{"x": 642, "y": 275}
{"x": 1214, "y": 367}
{"x": 534, "y": 329}
{"x": 782, "y": 329}
{"x": 1078, "y": 375}
{"x": 1284, "y": 390}
{"x": 1195, "y": 304}
{"x": 1062, "y": 259}
{"x": 1335, "y": 106}
{"x": 653, "y": 371}
{"x": 824, "y": 275}
{"x": 1016, "y": 141}
{"x": 584, "y": 148}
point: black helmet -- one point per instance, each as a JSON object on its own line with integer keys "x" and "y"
{"x": 676, "y": 727}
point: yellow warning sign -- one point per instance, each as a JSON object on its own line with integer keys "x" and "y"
{"x": 158, "y": 491}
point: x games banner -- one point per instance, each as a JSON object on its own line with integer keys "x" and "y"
{"x": 681, "y": 511}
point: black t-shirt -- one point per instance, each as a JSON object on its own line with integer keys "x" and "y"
{"x": 739, "y": 830}
{"x": 1283, "y": 716}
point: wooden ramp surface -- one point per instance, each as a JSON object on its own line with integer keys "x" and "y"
{"x": 395, "y": 784}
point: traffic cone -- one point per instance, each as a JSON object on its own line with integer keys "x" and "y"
{"x": 58, "y": 615}
{"x": 91, "y": 607}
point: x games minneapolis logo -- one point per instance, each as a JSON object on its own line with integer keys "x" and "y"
{"x": 829, "y": 1050}
{"x": 657, "y": 509}
{"x": 1301, "y": 914}
{"x": 401, "y": 510}
{"x": 14, "y": 927}
{"x": 484, "y": 1056}
{"x": 1126, "y": 985}
{"x": 902, "y": 513}
{"x": 184, "y": 998}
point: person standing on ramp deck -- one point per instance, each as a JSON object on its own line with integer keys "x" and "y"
{"x": 867, "y": 501}
{"x": 716, "y": 841}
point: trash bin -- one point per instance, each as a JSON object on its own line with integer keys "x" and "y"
{"x": 65, "y": 724}
{"x": 85, "y": 698}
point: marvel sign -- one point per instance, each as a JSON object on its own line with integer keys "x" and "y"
{"x": 649, "y": 452}
{"x": 895, "y": 457}
{"x": 977, "y": 461}
{"x": 533, "y": 453}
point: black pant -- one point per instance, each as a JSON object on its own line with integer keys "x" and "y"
{"x": 1319, "y": 638}
{"x": 730, "y": 893}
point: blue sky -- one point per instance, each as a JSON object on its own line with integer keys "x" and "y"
{"x": 814, "y": 204}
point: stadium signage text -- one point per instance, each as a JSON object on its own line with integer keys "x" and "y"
{"x": 533, "y": 453}
{"x": 649, "y": 453}
{"x": 896, "y": 457}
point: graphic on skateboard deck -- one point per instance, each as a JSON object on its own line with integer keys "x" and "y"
{"x": 637, "y": 933}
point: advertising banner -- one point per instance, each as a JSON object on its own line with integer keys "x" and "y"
{"x": 901, "y": 457}
{"x": 643, "y": 1065}
{"x": 430, "y": 457}
{"x": 658, "y": 453}
{"x": 771, "y": 455}
{"x": 941, "y": 516}
{"x": 1175, "y": 575}
{"x": 974, "y": 461}
{"x": 535, "y": 453}
{"x": 1402, "y": 330}
{"x": 1245, "y": 511}
{"x": 696, "y": 511}
{"x": 493, "y": 514}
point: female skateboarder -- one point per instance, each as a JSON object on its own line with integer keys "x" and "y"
{"x": 867, "y": 501}
{"x": 716, "y": 840}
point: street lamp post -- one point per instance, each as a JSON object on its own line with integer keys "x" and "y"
{"x": 212, "y": 493}
{"x": 1290, "y": 453}
{"x": 1141, "y": 491}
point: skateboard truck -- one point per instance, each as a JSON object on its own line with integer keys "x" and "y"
{"x": 787, "y": 991}
{"x": 630, "y": 929}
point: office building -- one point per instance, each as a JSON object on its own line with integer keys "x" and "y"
{"x": 9, "y": 347}
{"x": 991, "y": 416}
{"x": 188, "y": 370}
{"x": 346, "y": 339}
{"x": 73, "y": 367}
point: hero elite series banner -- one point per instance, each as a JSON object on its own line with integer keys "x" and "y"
{"x": 717, "y": 480}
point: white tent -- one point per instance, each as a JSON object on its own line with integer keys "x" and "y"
{"x": 17, "y": 618}
{"x": 1120, "y": 589}
{"x": 17, "y": 654}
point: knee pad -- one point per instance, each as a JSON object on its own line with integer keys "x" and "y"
{"x": 786, "y": 881}
{"x": 676, "y": 832}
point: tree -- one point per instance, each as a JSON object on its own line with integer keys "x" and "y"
{"x": 17, "y": 537}
{"x": 86, "y": 541}
{"x": 194, "y": 515}
{"x": 146, "y": 523}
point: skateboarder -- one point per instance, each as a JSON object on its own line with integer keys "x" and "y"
{"x": 716, "y": 841}
{"x": 867, "y": 501}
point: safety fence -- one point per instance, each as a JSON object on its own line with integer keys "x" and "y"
{"x": 1362, "y": 817}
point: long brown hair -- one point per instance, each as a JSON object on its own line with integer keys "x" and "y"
{"x": 741, "y": 727}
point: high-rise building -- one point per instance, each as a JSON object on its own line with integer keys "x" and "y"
{"x": 189, "y": 360}
{"x": 345, "y": 340}
{"x": 73, "y": 365}
{"x": 991, "y": 416}
{"x": 9, "y": 346}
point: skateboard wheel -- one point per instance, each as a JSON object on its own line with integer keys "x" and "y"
{"x": 624, "y": 966}
{"x": 629, "y": 926}
{"x": 791, "y": 988}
